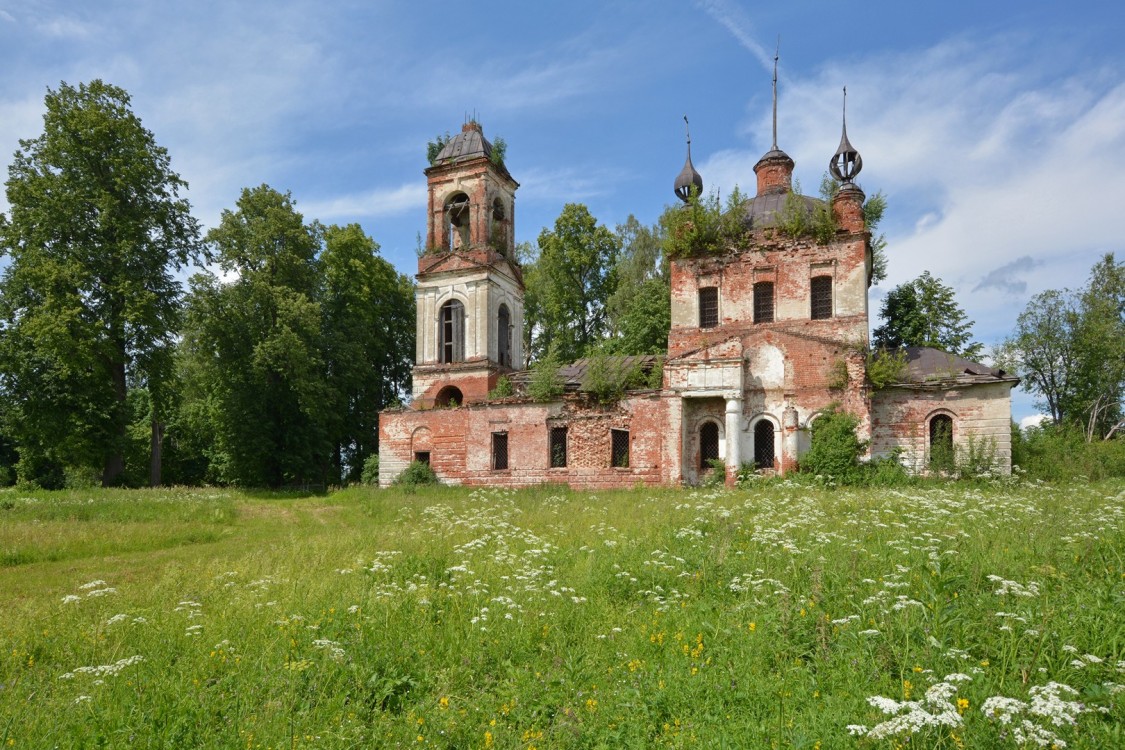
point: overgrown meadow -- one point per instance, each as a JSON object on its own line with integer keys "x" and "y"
{"x": 941, "y": 616}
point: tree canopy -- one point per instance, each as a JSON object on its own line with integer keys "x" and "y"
{"x": 570, "y": 284}
{"x": 1069, "y": 348}
{"x": 89, "y": 301}
{"x": 924, "y": 312}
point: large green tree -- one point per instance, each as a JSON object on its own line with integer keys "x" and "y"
{"x": 89, "y": 302}
{"x": 640, "y": 308}
{"x": 571, "y": 283}
{"x": 368, "y": 339}
{"x": 1069, "y": 348}
{"x": 253, "y": 346}
{"x": 924, "y": 312}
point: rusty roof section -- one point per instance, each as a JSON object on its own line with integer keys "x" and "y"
{"x": 926, "y": 366}
{"x": 573, "y": 374}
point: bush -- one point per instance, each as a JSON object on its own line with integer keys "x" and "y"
{"x": 370, "y": 473}
{"x": 835, "y": 448}
{"x": 503, "y": 388}
{"x": 417, "y": 473}
{"x": 886, "y": 367}
{"x": 1060, "y": 454}
{"x": 607, "y": 378}
{"x": 546, "y": 384}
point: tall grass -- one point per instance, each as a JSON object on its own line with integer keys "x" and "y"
{"x": 771, "y": 617}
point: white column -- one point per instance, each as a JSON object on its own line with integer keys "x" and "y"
{"x": 734, "y": 417}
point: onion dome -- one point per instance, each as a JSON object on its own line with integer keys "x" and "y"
{"x": 846, "y": 162}
{"x": 688, "y": 181}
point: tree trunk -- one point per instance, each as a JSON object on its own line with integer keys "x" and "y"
{"x": 114, "y": 469}
{"x": 157, "y": 451}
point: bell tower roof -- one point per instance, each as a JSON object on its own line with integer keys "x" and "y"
{"x": 470, "y": 143}
{"x": 688, "y": 180}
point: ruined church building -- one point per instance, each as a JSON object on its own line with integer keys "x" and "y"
{"x": 764, "y": 336}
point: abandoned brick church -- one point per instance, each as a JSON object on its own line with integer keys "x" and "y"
{"x": 763, "y": 337}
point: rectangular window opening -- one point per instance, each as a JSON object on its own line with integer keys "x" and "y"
{"x": 422, "y": 457}
{"x": 708, "y": 307}
{"x": 763, "y": 302}
{"x": 821, "y": 293}
{"x": 619, "y": 448}
{"x": 558, "y": 447}
{"x": 499, "y": 451}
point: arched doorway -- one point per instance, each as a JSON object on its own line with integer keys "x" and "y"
{"x": 941, "y": 443}
{"x": 708, "y": 444}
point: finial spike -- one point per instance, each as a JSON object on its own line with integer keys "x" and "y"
{"x": 687, "y": 127}
{"x": 776, "y": 54}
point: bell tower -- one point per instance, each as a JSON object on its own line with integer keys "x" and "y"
{"x": 470, "y": 288}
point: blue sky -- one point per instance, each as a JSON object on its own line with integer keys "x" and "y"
{"x": 996, "y": 130}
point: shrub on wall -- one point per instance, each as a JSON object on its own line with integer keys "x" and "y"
{"x": 836, "y": 448}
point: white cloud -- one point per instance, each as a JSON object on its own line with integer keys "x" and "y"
{"x": 1033, "y": 420}
{"x": 984, "y": 162}
{"x": 740, "y": 27}
{"x": 369, "y": 204}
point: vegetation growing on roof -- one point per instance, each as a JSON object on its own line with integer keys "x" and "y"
{"x": 703, "y": 225}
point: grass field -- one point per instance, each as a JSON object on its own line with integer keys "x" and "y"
{"x": 784, "y": 616}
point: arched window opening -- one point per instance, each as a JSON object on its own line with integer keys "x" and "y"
{"x": 763, "y": 444}
{"x": 708, "y": 307}
{"x": 820, "y": 288}
{"x": 504, "y": 336}
{"x": 941, "y": 443}
{"x": 451, "y": 332}
{"x": 449, "y": 397}
{"x": 498, "y": 233}
{"x": 457, "y": 221}
{"x": 708, "y": 444}
{"x": 763, "y": 302}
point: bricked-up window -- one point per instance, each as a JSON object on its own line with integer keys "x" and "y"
{"x": 708, "y": 307}
{"x": 499, "y": 451}
{"x": 821, "y": 293}
{"x": 763, "y": 444}
{"x": 708, "y": 444}
{"x": 763, "y": 302}
{"x": 619, "y": 448}
{"x": 451, "y": 332}
{"x": 941, "y": 443}
{"x": 558, "y": 447}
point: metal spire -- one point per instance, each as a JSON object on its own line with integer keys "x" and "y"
{"x": 776, "y": 53}
{"x": 688, "y": 181}
{"x": 846, "y": 162}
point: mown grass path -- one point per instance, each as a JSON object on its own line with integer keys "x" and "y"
{"x": 783, "y": 616}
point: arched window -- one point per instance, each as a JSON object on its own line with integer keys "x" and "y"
{"x": 449, "y": 396}
{"x": 763, "y": 302}
{"x": 457, "y": 221}
{"x": 708, "y": 307}
{"x": 504, "y": 336}
{"x": 763, "y": 444}
{"x": 451, "y": 332}
{"x": 708, "y": 444}
{"x": 941, "y": 442}
{"x": 820, "y": 290}
{"x": 498, "y": 227}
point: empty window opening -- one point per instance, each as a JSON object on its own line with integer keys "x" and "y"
{"x": 821, "y": 293}
{"x": 558, "y": 447}
{"x": 763, "y": 444}
{"x": 619, "y": 448}
{"x": 500, "y": 451}
{"x": 451, "y": 332}
{"x": 941, "y": 443}
{"x": 708, "y": 307}
{"x": 708, "y": 444}
{"x": 457, "y": 221}
{"x": 504, "y": 336}
{"x": 763, "y": 302}
{"x": 422, "y": 457}
{"x": 449, "y": 396}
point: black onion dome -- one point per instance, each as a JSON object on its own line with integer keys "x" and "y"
{"x": 688, "y": 181}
